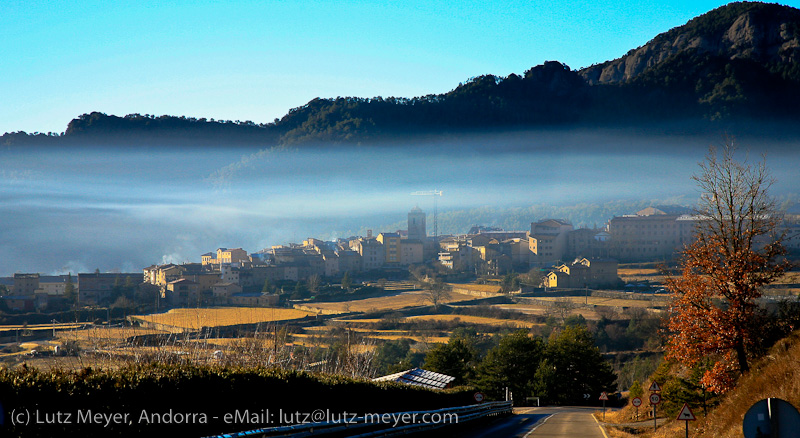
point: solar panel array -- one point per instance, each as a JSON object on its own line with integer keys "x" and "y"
{"x": 419, "y": 377}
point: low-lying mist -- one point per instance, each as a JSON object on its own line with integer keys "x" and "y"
{"x": 125, "y": 208}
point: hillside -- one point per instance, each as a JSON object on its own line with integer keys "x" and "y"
{"x": 736, "y": 68}
{"x": 775, "y": 375}
{"x": 761, "y": 33}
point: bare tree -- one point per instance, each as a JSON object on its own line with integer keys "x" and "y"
{"x": 313, "y": 283}
{"x": 436, "y": 292}
{"x": 563, "y": 308}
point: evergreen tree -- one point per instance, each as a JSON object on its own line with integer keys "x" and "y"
{"x": 513, "y": 364}
{"x": 573, "y": 367}
{"x": 456, "y": 358}
{"x": 69, "y": 290}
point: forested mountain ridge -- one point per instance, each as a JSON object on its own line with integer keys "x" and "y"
{"x": 738, "y": 65}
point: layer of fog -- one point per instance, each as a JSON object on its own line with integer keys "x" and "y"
{"x": 124, "y": 209}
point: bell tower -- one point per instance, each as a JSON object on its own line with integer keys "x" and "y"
{"x": 416, "y": 225}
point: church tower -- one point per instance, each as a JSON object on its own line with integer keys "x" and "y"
{"x": 416, "y": 225}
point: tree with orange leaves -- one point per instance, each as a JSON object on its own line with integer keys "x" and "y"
{"x": 714, "y": 313}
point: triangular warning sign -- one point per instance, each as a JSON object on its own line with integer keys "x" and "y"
{"x": 604, "y": 396}
{"x": 654, "y": 387}
{"x": 686, "y": 414}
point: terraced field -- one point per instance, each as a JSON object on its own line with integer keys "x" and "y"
{"x": 469, "y": 319}
{"x": 194, "y": 319}
{"x": 392, "y": 302}
{"x": 616, "y": 302}
{"x": 104, "y": 336}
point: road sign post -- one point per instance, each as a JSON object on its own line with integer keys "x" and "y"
{"x": 604, "y": 397}
{"x": 655, "y": 399}
{"x": 686, "y": 415}
{"x": 636, "y": 402}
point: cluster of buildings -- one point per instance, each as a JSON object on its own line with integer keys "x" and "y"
{"x": 232, "y": 276}
{"x": 34, "y": 292}
{"x": 648, "y": 235}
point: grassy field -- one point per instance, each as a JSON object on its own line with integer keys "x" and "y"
{"x": 113, "y": 334}
{"x": 545, "y": 311}
{"x": 450, "y": 317}
{"x": 392, "y": 302}
{"x": 474, "y": 320}
{"x": 194, "y": 319}
{"x": 58, "y": 326}
{"x": 477, "y": 287}
{"x": 616, "y": 302}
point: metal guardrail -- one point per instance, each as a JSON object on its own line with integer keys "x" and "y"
{"x": 365, "y": 426}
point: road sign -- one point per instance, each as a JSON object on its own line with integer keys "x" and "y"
{"x": 655, "y": 399}
{"x": 604, "y": 396}
{"x": 654, "y": 387}
{"x": 771, "y": 417}
{"x": 478, "y": 396}
{"x": 586, "y": 396}
{"x": 686, "y": 413}
{"x": 636, "y": 401}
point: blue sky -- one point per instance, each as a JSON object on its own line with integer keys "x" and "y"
{"x": 248, "y": 60}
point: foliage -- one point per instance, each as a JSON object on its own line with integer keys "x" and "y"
{"x": 435, "y": 292}
{"x": 636, "y": 390}
{"x": 392, "y": 357}
{"x": 573, "y": 366}
{"x": 456, "y": 358}
{"x": 638, "y": 369}
{"x": 714, "y": 312}
{"x": 512, "y": 363}
{"x": 775, "y": 375}
{"x": 510, "y": 283}
{"x": 208, "y": 390}
{"x": 70, "y": 293}
{"x": 347, "y": 283}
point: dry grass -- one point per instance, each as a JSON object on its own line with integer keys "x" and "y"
{"x": 477, "y": 287}
{"x": 194, "y": 319}
{"x": 777, "y": 375}
{"x": 109, "y": 334}
{"x": 616, "y": 302}
{"x": 531, "y": 309}
{"x": 638, "y": 271}
{"x": 415, "y": 338}
{"x": 58, "y": 326}
{"x": 394, "y": 302}
{"x": 474, "y": 320}
{"x": 635, "y": 275}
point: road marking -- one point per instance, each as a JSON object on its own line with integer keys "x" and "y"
{"x": 538, "y": 423}
{"x": 600, "y": 426}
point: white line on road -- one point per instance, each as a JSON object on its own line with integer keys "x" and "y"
{"x": 538, "y": 423}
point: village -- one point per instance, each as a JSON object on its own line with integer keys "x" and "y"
{"x": 564, "y": 257}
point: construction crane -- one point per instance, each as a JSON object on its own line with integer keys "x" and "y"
{"x": 433, "y": 193}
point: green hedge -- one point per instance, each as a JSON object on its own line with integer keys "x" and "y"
{"x": 195, "y": 399}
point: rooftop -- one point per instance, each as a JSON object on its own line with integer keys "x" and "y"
{"x": 419, "y": 377}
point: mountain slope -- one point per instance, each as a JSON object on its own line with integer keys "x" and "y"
{"x": 735, "y": 69}
{"x": 767, "y": 34}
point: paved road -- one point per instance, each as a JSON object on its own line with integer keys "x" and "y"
{"x": 555, "y": 422}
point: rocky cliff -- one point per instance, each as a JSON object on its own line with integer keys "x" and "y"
{"x": 765, "y": 33}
